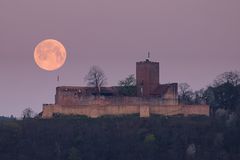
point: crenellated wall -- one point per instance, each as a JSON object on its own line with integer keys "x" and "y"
{"x": 143, "y": 110}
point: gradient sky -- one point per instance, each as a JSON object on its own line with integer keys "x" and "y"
{"x": 194, "y": 41}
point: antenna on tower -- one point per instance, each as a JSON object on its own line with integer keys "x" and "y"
{"x": 148, "y": 57}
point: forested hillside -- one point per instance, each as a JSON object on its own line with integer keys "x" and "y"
{"x": 127, "y": 137}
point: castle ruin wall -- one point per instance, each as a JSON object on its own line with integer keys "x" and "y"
{"x": 143, "y": 110}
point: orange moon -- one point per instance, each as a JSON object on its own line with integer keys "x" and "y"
{"x": 50, "y": 54}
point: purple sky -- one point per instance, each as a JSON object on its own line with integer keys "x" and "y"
{"x": 194, "y": 41}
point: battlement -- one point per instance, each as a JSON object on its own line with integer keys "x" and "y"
{"x": 147, "y": 61}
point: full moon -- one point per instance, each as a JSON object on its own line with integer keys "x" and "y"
{"x": 50, "y": 54}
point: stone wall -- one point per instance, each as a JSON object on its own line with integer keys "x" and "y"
{"x": 180, "y": 109}
{"x": 90, "y": 111}
{"x": 143, "y": 110}
{"x": 111, "y": 100}
{"x": 172, "y": 91}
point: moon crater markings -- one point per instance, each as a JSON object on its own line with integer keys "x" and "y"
{"x": 50, "y": 55}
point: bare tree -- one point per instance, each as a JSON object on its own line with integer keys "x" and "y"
{"x": 232, "y": 77}
{"x": 185, "y": 93}
{"x": 28, "y": 113}
{"x": 96, "y": 78}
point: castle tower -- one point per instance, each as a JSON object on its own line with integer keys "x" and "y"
{"x": 147, "y": 77}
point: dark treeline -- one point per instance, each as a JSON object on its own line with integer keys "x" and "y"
{"x": 223, "y": 93}
{"x": 120, "y": 138}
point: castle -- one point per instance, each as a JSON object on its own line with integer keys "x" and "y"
{"x": 151, "y": 98}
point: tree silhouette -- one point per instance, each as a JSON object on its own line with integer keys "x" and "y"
{"x": 128, "y": 86}
{"x": 28, "y": 113}
{"x": 96, "y": 78}
{"x": 185, "y": 93}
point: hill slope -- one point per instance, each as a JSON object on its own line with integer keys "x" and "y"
{"x": 115, "y": 138}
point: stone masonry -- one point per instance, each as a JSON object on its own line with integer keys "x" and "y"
{"x": 151, "y": 98}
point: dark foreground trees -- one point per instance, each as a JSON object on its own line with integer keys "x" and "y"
{"x": 118, "y": 138}
{"x": 225, "y": 92}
